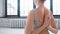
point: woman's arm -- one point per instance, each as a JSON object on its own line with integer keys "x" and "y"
{"x": 52, "y": 27}
{"x": 46, "y": 23}
{"x": 30, "y": 21}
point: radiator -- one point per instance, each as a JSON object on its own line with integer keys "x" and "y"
{"x": 13, "y": 23}
{"x": 18, "y": 23}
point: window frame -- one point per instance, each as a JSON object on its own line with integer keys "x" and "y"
{"x": 11, "y": 16}
{"x": 15, "y": 16}
{"x": 18, "y": 16}
{"x": 51, "y": 8}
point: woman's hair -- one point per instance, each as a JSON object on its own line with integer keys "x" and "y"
{"x": 42, "y": 1}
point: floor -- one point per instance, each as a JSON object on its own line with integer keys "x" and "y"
{"x": 14, "y": 31}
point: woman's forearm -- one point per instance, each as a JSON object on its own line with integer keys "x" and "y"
{"x": 45, "y": 25}
{"x": 52, "y": 29}
{"x": 38, "y": 30}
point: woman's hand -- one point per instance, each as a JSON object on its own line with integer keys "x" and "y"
{"x": 47, "y": 20}
{"x": 50, "y": 28}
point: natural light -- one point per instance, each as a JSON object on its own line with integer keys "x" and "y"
{"x": 47, "y": 4}
{"x": 56, "y": 7}
{"x": 27, "y": 5}
{"x": 11, "y": 7}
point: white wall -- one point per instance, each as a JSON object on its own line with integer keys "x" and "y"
{"x": 2, "y": 8}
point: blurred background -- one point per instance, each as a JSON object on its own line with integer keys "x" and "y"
{"x": 13, "y": 14}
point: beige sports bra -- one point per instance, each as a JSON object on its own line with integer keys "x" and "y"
{"x": 37, "y": 23}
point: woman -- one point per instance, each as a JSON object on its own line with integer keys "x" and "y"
{"x": 40, "y": 20}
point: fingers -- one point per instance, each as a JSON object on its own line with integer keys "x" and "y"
{"x": 47, "y": 18}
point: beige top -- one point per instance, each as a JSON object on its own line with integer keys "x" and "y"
{"x": 37, "y": 23}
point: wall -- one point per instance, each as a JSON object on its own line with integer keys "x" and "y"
{"x": 2, "y": 8}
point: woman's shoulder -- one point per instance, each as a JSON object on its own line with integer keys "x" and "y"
{"x": 47, "y": 11}
{"x": 31, "y": 13}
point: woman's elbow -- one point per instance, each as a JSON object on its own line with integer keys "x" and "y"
{"x": 27, "y": 32}
{"x": 56, "y": 30}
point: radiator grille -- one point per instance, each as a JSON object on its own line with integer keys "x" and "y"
{"x": 13, "y": 23}
{"x": 17, "y": 23}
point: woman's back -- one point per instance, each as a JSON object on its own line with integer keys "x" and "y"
{"x": 39, "y": 18}
{"x": 37, "y": 23}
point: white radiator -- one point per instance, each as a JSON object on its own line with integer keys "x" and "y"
{"x": 13, "y": 23}
{"x": 17, "y": 23}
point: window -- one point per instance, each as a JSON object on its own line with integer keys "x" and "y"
{"x": 56, "y": 7}
{"x": 12, "y": 7}
{"x": 47, "y": 4}
{"x": 22, "y": 7}
{"x": 25, "y": 7}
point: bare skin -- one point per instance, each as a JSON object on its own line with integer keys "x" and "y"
{"x": 46, "y": 18}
